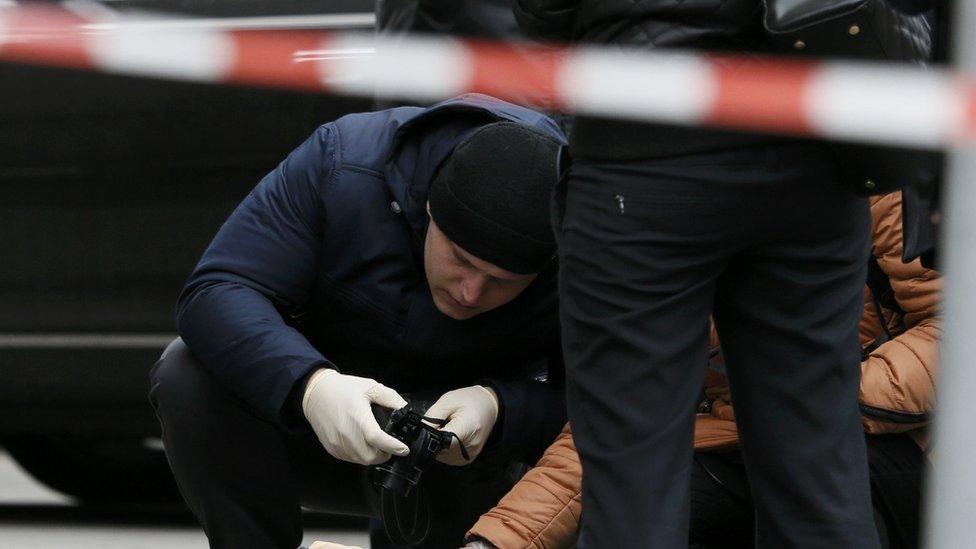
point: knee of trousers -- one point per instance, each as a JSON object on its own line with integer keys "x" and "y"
{"x": 178, "y": 381}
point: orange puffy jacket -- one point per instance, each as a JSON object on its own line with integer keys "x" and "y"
{"x": 897, "y": 394}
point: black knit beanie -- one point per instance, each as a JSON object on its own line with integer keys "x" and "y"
{"x": 491, "y": 196}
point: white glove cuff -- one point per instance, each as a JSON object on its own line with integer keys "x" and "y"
{"x": 494, "y": 398}
{"x": 312, "y": 381}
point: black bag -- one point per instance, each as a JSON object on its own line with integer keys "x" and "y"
{"x": 867, "y": 30}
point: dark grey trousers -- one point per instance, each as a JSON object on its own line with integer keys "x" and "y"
{"x": 770, "y": 241}
{"x": 246, "y": 479}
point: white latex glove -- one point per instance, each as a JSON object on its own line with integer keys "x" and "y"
{"x": 338, "y": 407}
{"x": 330, "y": 545}
{"x": 471, "y": 413}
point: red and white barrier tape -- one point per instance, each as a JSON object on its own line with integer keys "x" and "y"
{"x": 864, "y": 102}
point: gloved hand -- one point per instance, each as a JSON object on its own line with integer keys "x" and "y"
{"x": 338, "y": 407}
{"x": 471, "y": 413}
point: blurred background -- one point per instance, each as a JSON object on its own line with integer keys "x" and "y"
{"x": 111, "y": 189}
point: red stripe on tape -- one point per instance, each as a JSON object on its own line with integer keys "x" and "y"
{"x": 44, "y": 35}
{"x": 971, "y": 111}
{"x": 764, "y": 94}
{"x": 522, "y": 74}
{"x": 276, "y": 59}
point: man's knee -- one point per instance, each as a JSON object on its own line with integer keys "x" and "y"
{"x": 176, "y": 378}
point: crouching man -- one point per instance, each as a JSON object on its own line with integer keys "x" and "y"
{"x": 401, "y": 253}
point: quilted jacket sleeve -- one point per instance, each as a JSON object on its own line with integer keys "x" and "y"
{"x": 262, "y": 262}
{"x": 543, "y": 509}
{"x": 898, "y": 378}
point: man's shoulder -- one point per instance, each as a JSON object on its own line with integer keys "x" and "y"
{"x": 365, "y": 140}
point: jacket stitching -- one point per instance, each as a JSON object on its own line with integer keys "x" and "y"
{"x": 359, "y": 300}
{"x": 911, "y": 350}
{"x": 559, "y": 513}
{"x": 921, "y": 362}
{"x": 363, "y": 170}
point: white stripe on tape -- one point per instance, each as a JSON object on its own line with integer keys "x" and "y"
{"x": 324, "y": 21}
{"x": 419, "y": 68}
{"x": 196, "y": 55}
{"x": 3, "y": 30}
{"x": 673, "y": 88}
{"x": 886, "y": 104}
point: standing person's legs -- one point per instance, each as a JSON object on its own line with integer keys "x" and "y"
{"x": 242, "y": 477}
{"x": 640, "y": 248}
{"x": 787, "y": 312}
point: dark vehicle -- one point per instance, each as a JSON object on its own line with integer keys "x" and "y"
{"x": 111, "y": 189}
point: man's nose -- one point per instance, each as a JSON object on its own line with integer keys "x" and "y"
{"x": 472, "y": 288}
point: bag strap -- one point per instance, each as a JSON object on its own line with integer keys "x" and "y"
{"x": 882, "y": 297}
{"x": 406, "y": 519}
{"x": 880, "y": 286}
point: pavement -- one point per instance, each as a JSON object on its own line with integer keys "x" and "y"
{"x": 35, "y": 517}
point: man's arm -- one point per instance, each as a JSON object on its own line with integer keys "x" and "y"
{"x": 262, "y": 261}
{"x": 531, "y": 414}
{"x": 898, "y": 378}
{"x": 542, "y": 509}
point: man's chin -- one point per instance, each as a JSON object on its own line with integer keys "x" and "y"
{"x": 453, "y": 311}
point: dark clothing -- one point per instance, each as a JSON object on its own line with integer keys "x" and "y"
{"x": 920, "y": 223}
{"x": 771, "y": 240}
{"x": 475, "y": 19}
{"x": 707, "y": 24}
{"x": 619, "y": 140}
{"x": 322, "y": 265}
{"x": 245, "y": 479}
{"x": 702, "y": 24}
{"x": 897, "y": 468}
{"x": 649, "y": 23}
{"x": 469, "y": 18}
{"x": 722, "y": 507}
{"x": 491, "y": 20}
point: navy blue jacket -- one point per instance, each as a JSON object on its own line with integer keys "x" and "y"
{"x": 322, "y": 265}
